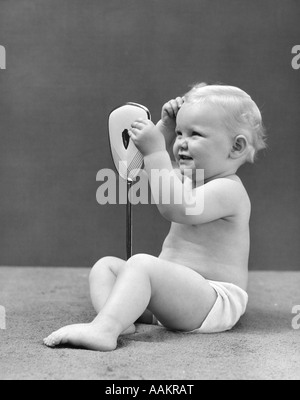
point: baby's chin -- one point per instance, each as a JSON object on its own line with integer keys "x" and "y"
{"x": 191, "y": 170}
{"x": 186, "y": 169}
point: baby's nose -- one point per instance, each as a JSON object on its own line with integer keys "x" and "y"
{"x": 184, "y": 144}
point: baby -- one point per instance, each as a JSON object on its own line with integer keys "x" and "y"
{"x": 199, "y": 281}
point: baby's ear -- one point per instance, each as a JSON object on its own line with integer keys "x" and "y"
{"x": 239, "y": 147}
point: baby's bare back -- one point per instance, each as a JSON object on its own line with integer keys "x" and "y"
{"x": 218, "y": 250}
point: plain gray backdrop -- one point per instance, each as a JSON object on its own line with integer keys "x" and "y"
{"x": 69, "y": 62}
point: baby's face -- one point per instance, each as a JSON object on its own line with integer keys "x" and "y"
{"x": 202, "y": 141}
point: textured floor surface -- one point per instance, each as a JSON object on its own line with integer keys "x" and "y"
{"x": 264, "y": 345}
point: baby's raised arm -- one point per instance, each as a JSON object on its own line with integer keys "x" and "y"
{"x": 167, "y": 124}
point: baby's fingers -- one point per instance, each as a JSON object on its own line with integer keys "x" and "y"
{"x": 142, "y": 121}
{"x": 180, "y": 101}
{"x": 168, "y": 110}
{"x": 133, "y": 134}
{"x": 172, "y": 107}
{"x": 177, "y": 104}
{"x": 137, "y": 125}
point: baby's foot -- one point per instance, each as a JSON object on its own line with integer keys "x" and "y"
{"x": 89, "y": 336}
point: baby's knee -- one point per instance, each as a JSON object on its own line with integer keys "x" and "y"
{"x": 140, "y": 261}
{"x": 107, "y": 265}
{"x": 103, "y": 263}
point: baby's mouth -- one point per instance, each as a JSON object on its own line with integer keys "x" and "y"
{"x": 183, "y": 157}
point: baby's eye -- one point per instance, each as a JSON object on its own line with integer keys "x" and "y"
{"x": 178, "y": 133}
{"x": 198, "y": 134}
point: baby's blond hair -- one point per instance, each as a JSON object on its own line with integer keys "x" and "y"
{"x": 241, "y": 114}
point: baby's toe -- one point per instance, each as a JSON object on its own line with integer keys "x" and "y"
{"x": 49, "y": 342}
{"x": 53, "y": 340}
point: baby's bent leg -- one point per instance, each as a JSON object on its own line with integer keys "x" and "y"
{"x": 103, "y": 277}
{"x": 178, "y": 296}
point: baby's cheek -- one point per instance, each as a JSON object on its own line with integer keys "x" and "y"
{"x": 176, "y": 148}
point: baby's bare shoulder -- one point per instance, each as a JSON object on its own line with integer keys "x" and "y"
{"x": 233, "y": 187}
{"x": 232, "y": 184}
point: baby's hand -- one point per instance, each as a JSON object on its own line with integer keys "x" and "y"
{"x": 170, "y": 111}
{"x": 146, "y": 137}
{"x": 167, "y": 124}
